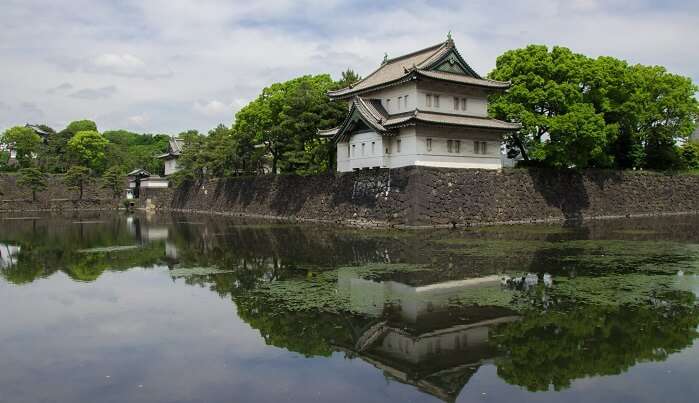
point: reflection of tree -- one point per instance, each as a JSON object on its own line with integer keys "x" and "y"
{"x": 311, "y": 333}
{"x": 555, "y": 348}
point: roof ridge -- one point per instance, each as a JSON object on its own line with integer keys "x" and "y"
{"x": 394, "y": 59}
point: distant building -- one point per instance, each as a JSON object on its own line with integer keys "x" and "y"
{"x": 140, "y": 179}
{"x": 38, "y": 129}
{"x": 426, "y": 108}
{"x": 174, "y": 150}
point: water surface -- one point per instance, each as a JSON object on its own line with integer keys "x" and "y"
{"x": 176, "y": 308}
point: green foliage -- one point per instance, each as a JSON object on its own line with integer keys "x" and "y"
{"x": 25, "y": 141}
{"x": 81, "y": 126}
{"x": 130, "y": 150}
{"x": 213, "y": 155}
{"x": 77, "y": 177}
{"x": 33, "y": 179}
{"x": 113, "y": 180}
{"x": 577, "y": 139}
{"x": 546, "y": 350}
{"x": 690, "y": 155}
{"x": 284, "y": 120}
{"x": 646, "y": 110}
{"x": 89, "y": 148}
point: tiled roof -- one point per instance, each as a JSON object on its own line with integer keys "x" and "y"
{"x": 176, "y": 145}
{"x": 403, "y": 68}
{"x": 328, "y": 132}
{"x": 451, "y": 120}
{"x": 460, "y": 78}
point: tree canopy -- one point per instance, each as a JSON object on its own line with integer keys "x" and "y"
{"x": 89, "y": 148}
{"x": 559, "y": 97}
{"x": 284, "y": 120}
{"x": 24, "y": 141}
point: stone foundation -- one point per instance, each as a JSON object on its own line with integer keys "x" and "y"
{"x": 418, "y": 196}
{"x": 57, "y": 196}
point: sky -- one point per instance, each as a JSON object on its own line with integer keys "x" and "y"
{"x": 165, "y": 66}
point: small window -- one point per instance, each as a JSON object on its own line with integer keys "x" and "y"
{"x": 428, "y": 144}
{"x": 405, "y": 102}
{"x": 388, "y": 105}
{"x": 484, "y": 147}
{"x": 354, "y": 150}
{"x": 463, "y": 104}
{"x": 388, "y": 150}
{"x": 363, "y": 148}
{"x": 398, "y": 145}
{"x": 450, "y": 146}
{"x": 373, "y": 147}
{"x": 428, "y": 100}
{"x": 457, "y": 146}
{"x": 456, "y": 103}
{"x": 400, "y": 101}
{"x": 436, "y": 101}
{"x": 480, "y": 147}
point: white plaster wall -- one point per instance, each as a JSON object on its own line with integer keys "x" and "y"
{"x": 343, "y": 160}
{"x": 170, "y": 167}
{"x": 370, "y": 157}
{"x": 475, "y": 106}
{"x": 439, "y": 156}
{"x": 157, "y": 183}
{"x": 393, "y": 93}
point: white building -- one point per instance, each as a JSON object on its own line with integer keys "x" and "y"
{"x": 426, "y": 108}
{"x": 140, "y": 179}
{"x": 173, "y": 153}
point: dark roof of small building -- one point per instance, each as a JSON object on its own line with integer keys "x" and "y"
{"x": 424, "y": 63}
{"x": 139, "y": 172}
{"x": 174, "y": 148}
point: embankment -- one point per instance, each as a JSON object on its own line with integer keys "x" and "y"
{"x": 57, "y": 196}
{"x": 419, "y": 196}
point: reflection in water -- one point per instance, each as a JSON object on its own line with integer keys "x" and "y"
{"x": 545, "y": 306}
{"x": 8, "y": 255}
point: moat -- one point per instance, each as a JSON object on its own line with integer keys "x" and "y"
{"x": 117, "y": 307}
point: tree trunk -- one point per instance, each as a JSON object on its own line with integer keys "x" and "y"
{"x": 33, "y": 195}
{"x": 81, "y": 192}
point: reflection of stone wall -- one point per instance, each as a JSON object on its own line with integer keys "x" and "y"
{"x": 56, "y": 197}
{"x": 433, "y": 196}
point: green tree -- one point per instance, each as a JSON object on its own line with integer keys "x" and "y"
{"x": 88, "y": 148}
{"x": 81, "y": 126}
{"x": 690, "y": 155}
{"x": 33, "y": 179}
{"x": 113, "y": 180}
{"x": 24, "y": 141}
{"x": 283, "y": 121}
{"x": 77, "y": 177}
{"x": 578, "y": 139}
{"x": 646, "y": 109}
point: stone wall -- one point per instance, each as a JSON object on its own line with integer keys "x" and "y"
{"x": 418, "y": 196}
{"x": 57, "y": 196}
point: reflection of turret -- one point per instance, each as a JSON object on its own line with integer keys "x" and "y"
{"x": 145, "y": 232}
{"x": 8, "y": 255}
{"x": 423, "y": 339}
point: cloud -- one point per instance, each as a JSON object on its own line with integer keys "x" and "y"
{"x": 60, "y": 88}
{"x": 124, "y": 64}
{"x": 212, "y": 108}
{"x": 194, "y": 64}
{"x": 137, "y": 120}
{"x": 95, "y": 93}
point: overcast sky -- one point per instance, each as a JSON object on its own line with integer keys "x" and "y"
{"x": 164, "y": 66}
